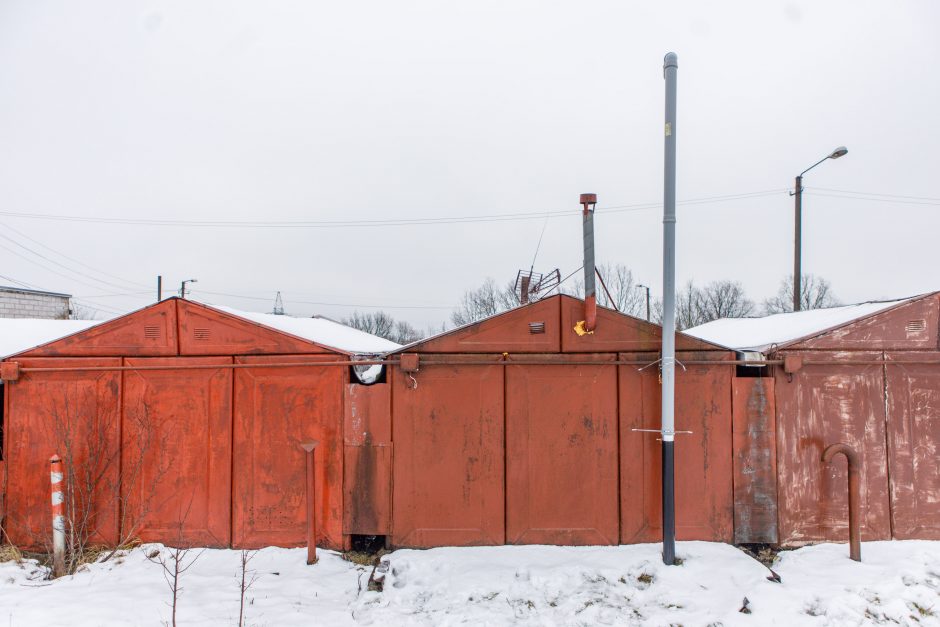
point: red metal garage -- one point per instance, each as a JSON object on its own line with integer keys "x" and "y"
{"x": 867, "y": 375}
{"x": 518, "y": 429}
{"x": 185, "y": 420}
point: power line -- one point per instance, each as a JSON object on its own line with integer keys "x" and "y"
{"x": 61, "y": 254}
{"x": 847, "y": 191}
{"x": 324, "y": 304}
{"x": 61, "y": 265}
{"x": 896, "y": 201}
{"x": 497, "y": 217}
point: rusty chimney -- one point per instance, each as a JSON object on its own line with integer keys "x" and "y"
{"x": 588, "y": 201}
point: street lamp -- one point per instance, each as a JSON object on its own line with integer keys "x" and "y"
{"x": 798, "y": 226}
{"x": 183, "y": 287}
{"x": 646, "y": 287}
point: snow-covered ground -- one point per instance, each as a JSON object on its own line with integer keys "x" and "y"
{"x": 897, "y": 583}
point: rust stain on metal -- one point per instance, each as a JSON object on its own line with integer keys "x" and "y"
{"x": 755, "y": 460}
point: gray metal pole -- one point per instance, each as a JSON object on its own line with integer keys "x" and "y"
{"x": 159, "y": 287}
{"x": 797, "y": 243}
{"x": 670, "y": 67}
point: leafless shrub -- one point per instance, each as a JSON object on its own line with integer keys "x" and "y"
{"x": 248, "y": 579}
{"x": 175, "y": 561}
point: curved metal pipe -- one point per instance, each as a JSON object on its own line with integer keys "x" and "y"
{"x": 855, "y": 543}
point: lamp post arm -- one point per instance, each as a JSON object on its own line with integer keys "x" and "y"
{"x": 814, "y": 165}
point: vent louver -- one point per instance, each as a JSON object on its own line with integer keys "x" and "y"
{"x": 913, "y": 326}
{"x": 152, "y": 333}
{"x": 201, "y": 333}
{"x": 536, "y": 327}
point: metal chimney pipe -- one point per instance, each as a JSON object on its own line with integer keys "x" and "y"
{"x": 670, "y": 67}
{"x": 588, "y": 201}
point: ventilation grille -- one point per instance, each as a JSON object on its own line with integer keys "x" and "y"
{"x": 913, "y": 326}
{"x": 152, "y": 333}
{"x": 201, "y": 333}
{"x": 536, "y": 327}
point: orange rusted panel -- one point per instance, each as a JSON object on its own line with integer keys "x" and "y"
{"x": 448, "y": 461}
{"x": 910, "y": 326}
{"x": 561, "y": 452}
{"x": 367, "y": 489}
{"x": 207, "y": 331}
{"x": 176, "y": 459}
{"x": 532, "y": 328}
{"x": 148, "y": 332}
{"x": 275, "y": 410}
{"x": 368, "y": 414}
{"x": 823, "y": 405}
{"x": 615, "y": 332}
{"x": 76, "y": 415}
{"x": 704, "y": 495}
{"x": 913, "y": 443}
{"x": 755, "y": 460}
{"x": 368, "y": 459}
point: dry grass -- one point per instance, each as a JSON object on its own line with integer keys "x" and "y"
{"x": 9, "y": 553}
{"x": 362, "y": 558}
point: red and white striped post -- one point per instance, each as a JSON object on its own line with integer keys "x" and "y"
{"x": 56, "y": 478}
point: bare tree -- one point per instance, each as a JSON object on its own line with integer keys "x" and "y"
{"x": 376, "y": 322}
{"x": 718, "y": 299}
{"x": 248, "y": 579}
{"x": 384, "y": 325}
{"x": 815, "y": 293}
{"x": 623, "y": 293}
{"x": 94, "y": 472}
{"x": 404, "y": 333}
{"x": 175, "y": 561}
{"x": 487, "y": 300}
{"x": 723, "y": 299}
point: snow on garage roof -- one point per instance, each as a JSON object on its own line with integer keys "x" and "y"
{"x": 21, "y": 334}
{"x": 759, "y": 334}
{"x": 322, "y": 331}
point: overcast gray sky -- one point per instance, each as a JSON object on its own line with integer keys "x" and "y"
{"x": 365, "y": 111}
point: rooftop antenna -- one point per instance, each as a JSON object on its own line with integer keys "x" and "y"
{"x": 278, "y": 305}
{"x": 529, "y": 284}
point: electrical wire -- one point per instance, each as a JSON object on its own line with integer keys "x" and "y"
{"x": 286, "y": 296}
{"x": 848, "y": 191}
{"x": 61, "y": 265}
{"x": 896, "y": 201}
{"x": 72, "y": 259}
{"x": 498, "y": 217}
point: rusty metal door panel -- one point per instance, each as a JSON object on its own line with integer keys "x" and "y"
{"x": 144, "y": 333}
{"x": 275, "y": 410}
{"x": 561, "y": 453}
{"x": 368, "y": 414}
{"x": 77, "y": 416}
{"x": 368, "y": 490}
{"x": 755, "y": 460}
{"x": 823, "y": 405}
{"x": 910, "y": 326}
{"x": 367, "y": 487}
{"x": 914, "y": 446}
{"x": 206, "y": 331}
{"x": 176, "y": 459}
{"x": 704, "y": 490}
{"x": 449, "y": 473}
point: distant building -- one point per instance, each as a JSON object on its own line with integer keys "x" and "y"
{"x": 17, "y": 302}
